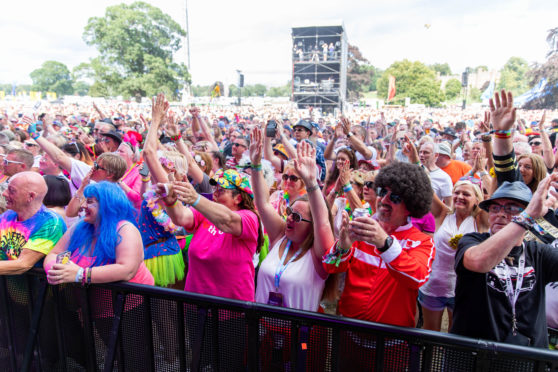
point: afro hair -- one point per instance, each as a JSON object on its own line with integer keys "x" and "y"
{"x": 411, "y": 183}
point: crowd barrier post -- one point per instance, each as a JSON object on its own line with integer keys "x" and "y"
{"x": 114, "y": 333}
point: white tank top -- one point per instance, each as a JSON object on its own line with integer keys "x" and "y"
{"x": 300, "y": 284}
{"x": 442, "y": 278}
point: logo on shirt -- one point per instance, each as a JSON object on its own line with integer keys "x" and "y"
{"x": 214, "y": 231}
{"x": 11, "y": 244}
{"x": 496, "y": 278}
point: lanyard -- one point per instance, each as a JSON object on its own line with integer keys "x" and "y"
{"x": 281, "y": 267}
{"x": 129, "y": 170}
{"x": 510, "y": 292}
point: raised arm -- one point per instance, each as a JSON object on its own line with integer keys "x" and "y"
{"x": 159, "y": 110}
{"x": 305, "y": 165}
{"x": 272, "y": 221}
{"x": 356, "y": 142}
{"x": 548, "y": 155}
{"x": 194, "y": 171}
{"x": 56, "y": 154}
{"x": 289, "y": 148}
{"x": 328, "y": 152}
{"x": 73, "y": 207}
{"x": 502, "y": 113}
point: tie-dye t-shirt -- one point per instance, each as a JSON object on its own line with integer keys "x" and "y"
{"x": 39, "y": 233}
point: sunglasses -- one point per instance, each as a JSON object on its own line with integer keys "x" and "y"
{"x": 96, "y": 166}
{"x": 510, "y": 209}
{"x": 29, "y": 144}
{"x": 292, "y": 177}
{"x": 7, "y": 162}
{"x": 296, "y": 216}
{"x": 395, "y": 199}
{"x": 105, "y": 140}
{"x": 239, "y": 144}
{"x": 535, "y": 143}
{"x": 369, "y": 184}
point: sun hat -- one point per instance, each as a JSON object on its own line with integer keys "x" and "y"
{"x": 231, "y": 179}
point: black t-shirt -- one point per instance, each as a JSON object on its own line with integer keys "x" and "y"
{"x": 482, "y": 308}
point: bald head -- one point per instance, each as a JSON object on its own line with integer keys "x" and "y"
{"x": 32, "y": 183}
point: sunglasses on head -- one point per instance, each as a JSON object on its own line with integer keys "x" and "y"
{"x": 96, "y": 166}
{"x": 473, "y": 180}
{"x": 296, "y": 216}
{"x": 395, "y": 199}
{"x": 291, "y": 177}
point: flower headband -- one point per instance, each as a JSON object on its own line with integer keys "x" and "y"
{"x": 169, "y": 164}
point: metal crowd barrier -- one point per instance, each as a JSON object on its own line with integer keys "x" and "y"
{"x": 130, "y": 327}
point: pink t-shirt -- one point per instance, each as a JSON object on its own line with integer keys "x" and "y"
{"x": 220, "y": 264}
{"x": 427, "y": 223}
{"x": 132, "y": 178}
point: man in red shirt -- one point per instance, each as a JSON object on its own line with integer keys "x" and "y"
{"x": 385, "y": 257}
{"x": 454, "y": 168}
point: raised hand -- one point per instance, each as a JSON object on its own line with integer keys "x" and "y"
{"x": 344, "y": 174}
{"x": 172, "y": 125}
{"x": 305, "y": 162}
{"x": 185, "y": 192}
{"x": 485, "y": 124}
{"x": 345, "y": 240}
{"x": 537, "y": 206}
{"x": 367, "y": 229}
{"x": 346, "y": 125}
{"x": 159, "y": 109}
{"x": 256, "y": 146}
{"x": 502, "y": 110}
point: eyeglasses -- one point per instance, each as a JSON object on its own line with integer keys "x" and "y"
{"x": 96, "y": 166}
{"x": 296, "y": 216}
{"x": 298, "y": 129}
{"x": 395, "y": 199}
{"x": 369, "y": 184}
{"x": 7, "y": 162}
{"x": 290, "y": 177}
{"x": 239, "y": 144}
{"x": 510, "y": 209}
{"x": 535, "y": 143}
{"x": 105, "y": 139}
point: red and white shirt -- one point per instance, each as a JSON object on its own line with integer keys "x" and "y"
{"x": 383, "y": 287}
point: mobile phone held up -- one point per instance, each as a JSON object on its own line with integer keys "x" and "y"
{"x": 271, "y": 128}
{"x": 144, "y": 171}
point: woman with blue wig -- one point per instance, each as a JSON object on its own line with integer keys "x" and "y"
{"x": 105, "y": 246}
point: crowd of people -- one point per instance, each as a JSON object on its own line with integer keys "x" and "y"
{"x": 379, "y": 216}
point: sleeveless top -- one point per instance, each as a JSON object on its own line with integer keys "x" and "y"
{"x": 442, "y": 278}
{"x": 300, "y": 284}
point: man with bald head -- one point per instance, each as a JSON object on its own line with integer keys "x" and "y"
{"x": 28, "y": 230}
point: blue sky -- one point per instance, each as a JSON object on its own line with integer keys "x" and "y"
{"x": 254, "y": 36}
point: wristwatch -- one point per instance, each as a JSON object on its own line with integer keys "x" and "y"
{"x": 387, "y": 244}
{"x": 349, "y": 135}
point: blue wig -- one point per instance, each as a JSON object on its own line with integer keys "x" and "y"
{"x": 114, "y": 207}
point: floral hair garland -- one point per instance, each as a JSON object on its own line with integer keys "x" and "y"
{"x": 169, "y": 164}
{"x": 158, "y": 212}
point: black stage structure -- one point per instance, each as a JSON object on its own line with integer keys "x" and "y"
{"x": 320, "y": 66}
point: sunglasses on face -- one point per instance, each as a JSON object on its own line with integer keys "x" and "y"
{"x": 369, "y": 184}
{"x": 7, "y": 162}
{"x": 238, "y": 144}
{"x": 536, "y": 143}
{"x": 29, "y": 144}
{"x": 96, "y": 166}
{"x": 510, "y": 209}
{"x": 296, "y": 216}
{"x": 395, "y": 199}
{"x": 290, "y": 177}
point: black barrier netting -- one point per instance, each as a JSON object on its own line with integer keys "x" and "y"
{"x": 136, "y": 340}
{"x": 165, "y": 335}
{"x": 102, "y": 316}
{"x": 510, "y": 364}
{"x": 357, "y": 351}
{"x": 19, "y": 306}
{"x": 318, "y": 348}
{"x": 275, "y": 345}
{"x": 231, "y": 334}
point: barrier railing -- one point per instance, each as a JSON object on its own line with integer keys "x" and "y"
{"x": 130, "y": 327}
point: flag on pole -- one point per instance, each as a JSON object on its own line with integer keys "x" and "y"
{"x": 488, "y": 93}
{"x": 216, "y": 91}
{"x": 391, "y": 87}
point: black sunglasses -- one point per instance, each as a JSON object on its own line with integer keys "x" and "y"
{"x": 395, "y": 199}
{"x": 369, "y": 184}
{"x": 291, "y": 177}
{"x": 96, "y": 166}
{"x": 238, "y": 144}
{"x": 296, "y": 216}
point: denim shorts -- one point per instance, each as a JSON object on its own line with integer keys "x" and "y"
{"x": 436, "y": 303}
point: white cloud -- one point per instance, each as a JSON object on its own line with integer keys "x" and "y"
{"x": 255, "y": 36}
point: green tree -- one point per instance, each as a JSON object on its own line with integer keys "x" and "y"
{"x": 443, "y": 68}
{"x": 52, "y": 76}
{"x": 136, "y": 43}
{"x": 81, "y": 88}
{"x": 260, "y": 90}
{"x": 453, "y": 88}
{"x": 414, "y": 80}
{"x": 361, "y": 75}
{"x": 512, "y": 76}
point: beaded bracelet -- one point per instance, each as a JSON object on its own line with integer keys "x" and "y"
{"x": 176, "y": 138}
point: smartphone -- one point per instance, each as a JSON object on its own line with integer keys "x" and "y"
{"x": 271, "y": 128}
{"x": 144, "y": 171}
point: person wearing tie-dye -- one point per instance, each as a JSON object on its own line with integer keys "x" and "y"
{"x": 28, "y": 230}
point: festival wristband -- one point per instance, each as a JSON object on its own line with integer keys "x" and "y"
{"x": 197, "y": 201}
{"x": 313, "y": 188}
{"x": 256, "y": 167}
{"x": 79, "y": 275}
{"x": 171, "y": 205}
{"x": 348, "y": 187}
